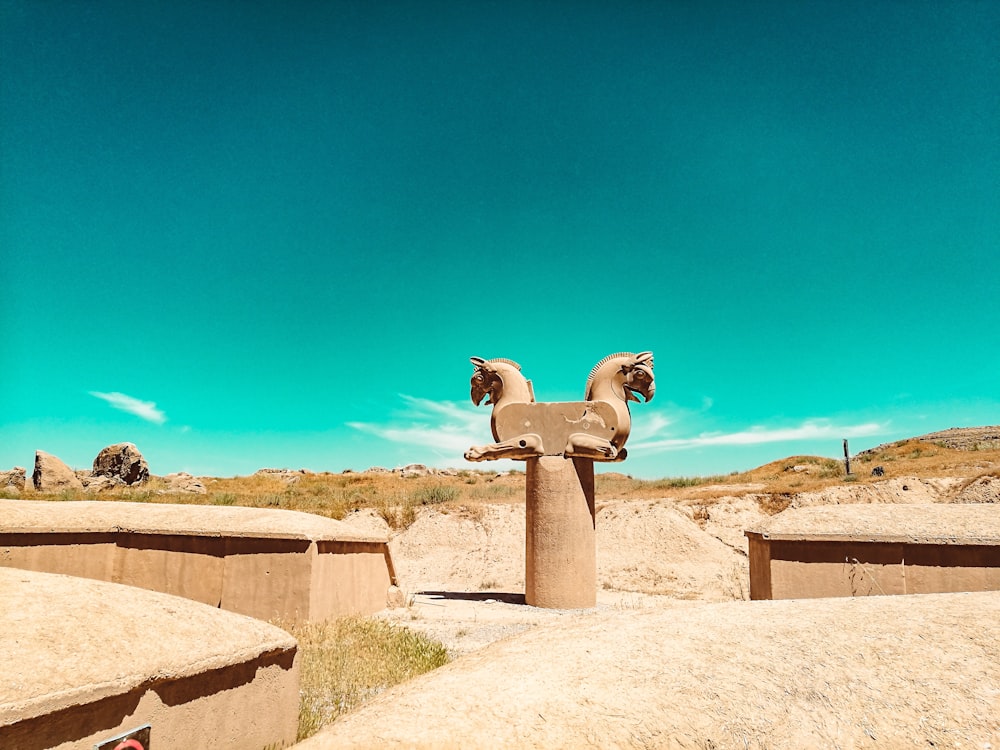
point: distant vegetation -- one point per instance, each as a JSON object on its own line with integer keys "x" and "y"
{"x": 397, "y": 499}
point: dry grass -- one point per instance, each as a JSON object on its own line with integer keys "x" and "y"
{"x": 906, "y": 458}
{"x": 345, "y": 662}
{"x": 398, "y": 499}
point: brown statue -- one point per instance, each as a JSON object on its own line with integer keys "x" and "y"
{"x": 614, "y": 380}
{"x": 595, "y": 428}
{"x": 559, "y": 443}
{"x": 502, "y": 381}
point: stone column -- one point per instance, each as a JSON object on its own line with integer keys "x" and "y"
{"x": 561, "y": 557}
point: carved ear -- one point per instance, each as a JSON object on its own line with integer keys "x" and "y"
{"x": 644, "y": 358}
{"x": 477, "y": 361}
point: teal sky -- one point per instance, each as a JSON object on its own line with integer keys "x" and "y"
{"x": 272, "y": 234}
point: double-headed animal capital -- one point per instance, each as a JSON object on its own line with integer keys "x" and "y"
{"x": 595, "y": 428}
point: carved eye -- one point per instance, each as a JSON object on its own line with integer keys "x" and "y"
{"x": 478, "y": 377}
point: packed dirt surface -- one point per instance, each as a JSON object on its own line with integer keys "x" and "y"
{"x": 672, "y": 657}
{"x": 872, "y": 672}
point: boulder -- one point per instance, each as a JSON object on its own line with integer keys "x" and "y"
{"x": 183, "y": 482}
{"x": 122, "y": 461}
{"x": 414, "y": 470}
{"x": 13, "y": 479}
{"x": 289, "y": 476}
{"x": 99, "y": 483}
{"x": 52, "y": 475}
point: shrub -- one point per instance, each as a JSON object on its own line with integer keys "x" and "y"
{"x": 346, "y": 661}
{"x": 434, "y": 494}
{"x": 397, "y": 511}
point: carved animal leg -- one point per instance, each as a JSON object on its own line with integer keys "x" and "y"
{"x": 528, "y": 445}
{"x": 584, "y": 445}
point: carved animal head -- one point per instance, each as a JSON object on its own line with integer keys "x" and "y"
{"x": 639, "y": 377}
{"x": 485, "y": 381}
{"x": 625, "y": 374}
{"x": 488, "y": 380}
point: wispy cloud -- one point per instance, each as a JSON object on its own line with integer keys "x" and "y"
{"x": 143, "y": 409}
{"x": 444, "y": 427}
{"x": 811, "y": 429}
{"x": 448, "y": 429}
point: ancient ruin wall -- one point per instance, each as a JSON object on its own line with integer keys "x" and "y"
{"x": 87, "y": 660}
{"x": 875, "y": 550}
{"x": 262, "y": 563}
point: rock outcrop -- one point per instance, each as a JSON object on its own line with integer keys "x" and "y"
{"x": 13, "y": 480}
{"x": 52, "y": 475}
{"x": 93, "y": 483}
{"x": 184, "y": 482}
{"x": 122, "y": 461}
{"x": 290, "y": 476}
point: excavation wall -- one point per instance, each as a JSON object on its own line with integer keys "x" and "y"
{"x": 865, "y": 550}
{"x": 263, "y": 563}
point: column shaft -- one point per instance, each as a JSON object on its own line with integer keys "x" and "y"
{"x": 561, "y": 548}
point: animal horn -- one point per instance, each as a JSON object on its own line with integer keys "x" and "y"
{"x": 477, "y": 361}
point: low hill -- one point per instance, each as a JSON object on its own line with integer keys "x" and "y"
{"x": 959, "y": 438}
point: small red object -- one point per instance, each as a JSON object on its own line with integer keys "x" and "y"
{"x": 129, "y": 745}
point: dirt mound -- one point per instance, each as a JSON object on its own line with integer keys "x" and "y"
{"x": 642, "y": 546}
{"x": 726, "y": 518}
{"x": 466, "y": 549}
{"x": 651, "y": 548}
{"x": 982, "y": 489}
{"x": 902, "y": 490}
{"x": 871, "y": 672}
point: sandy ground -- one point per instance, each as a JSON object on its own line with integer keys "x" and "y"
{"x": 672, "y": 656}
{"x": 463, "y": 570}
{"x": 872, "y": 672}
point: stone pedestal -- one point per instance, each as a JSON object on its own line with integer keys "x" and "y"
{"x": 561, "y": 557}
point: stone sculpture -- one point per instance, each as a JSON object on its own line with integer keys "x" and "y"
{"x": 502, "y": 381}
{"x": 560, "y": 442}
{"x": 614, "y": 380}
{"x": 595, "y": 428}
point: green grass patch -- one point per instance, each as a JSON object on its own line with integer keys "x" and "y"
{"x": 345, "y": 662}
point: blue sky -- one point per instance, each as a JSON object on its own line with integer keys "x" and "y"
{"x": 272, "y": 234}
